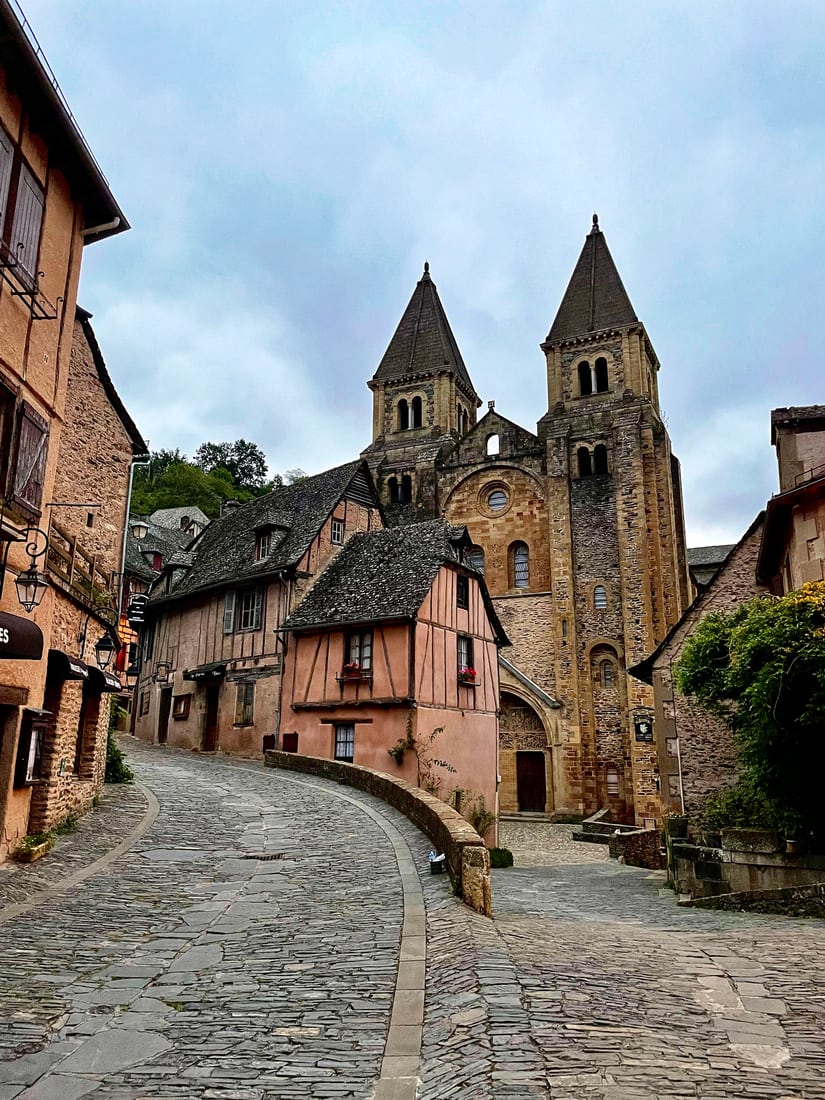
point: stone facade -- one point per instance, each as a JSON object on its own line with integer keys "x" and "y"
{"x": 578, "y": 528}
{"x": 44, "y": 425}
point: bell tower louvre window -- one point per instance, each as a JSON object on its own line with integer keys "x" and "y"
{"x": 403, "y": 415}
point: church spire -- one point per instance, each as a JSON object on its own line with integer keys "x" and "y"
{"x": 424, "y": 343}
{"x": 595, "y": 298}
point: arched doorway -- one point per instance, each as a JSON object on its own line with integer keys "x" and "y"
{"x": 526, "y": 765}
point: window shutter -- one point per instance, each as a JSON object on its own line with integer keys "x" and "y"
{"x": 256, "y": 615}
{"x": 229, "y": 613}
{"x": 28, "y": 217}
{"x": 32, "y": 449}
{"x": 6, "y": 158}
{"x": 21, "y": 765}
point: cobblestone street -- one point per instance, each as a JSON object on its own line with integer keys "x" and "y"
{"x": 193, "y": 966}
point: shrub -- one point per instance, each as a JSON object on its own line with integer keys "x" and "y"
{"x": 501, "y": 857}
{"x": 117, "y": 770}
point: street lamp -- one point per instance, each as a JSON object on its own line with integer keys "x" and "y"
{"x": 31, "y": 584}
{"x": 104, "y": 650}
{"x": 132, "y": 674}
{"x": 162, "y": 670}
{"x": 140, "y": 529}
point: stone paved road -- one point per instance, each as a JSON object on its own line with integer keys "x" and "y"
{"x": 186, "y": 970}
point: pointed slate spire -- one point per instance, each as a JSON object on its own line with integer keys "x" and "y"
{"x": 423, "y": 343}
{"x": 595, "y": 298}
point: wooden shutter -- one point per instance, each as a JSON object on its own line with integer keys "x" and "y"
{"x": 28, "y": 217}
{"x": 32, "y": 450}
{"x": 229, "y": 613}
{"x": 6, "y": 160}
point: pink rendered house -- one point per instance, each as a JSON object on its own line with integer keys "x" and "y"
{"x": 397, "y": 638}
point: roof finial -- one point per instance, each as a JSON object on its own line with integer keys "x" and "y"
{"x": 595, "y": 228}
{"x": 426, "y": 268}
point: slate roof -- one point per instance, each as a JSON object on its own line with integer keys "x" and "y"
{"x": 385, "y": 575}
{"x": 166, "y": 541}
{"x": 171, "y": 517}
{"x": 709, "y": 555}
{"x": 595, "y": 298}
{"x": 423, "y": 343}
{"x": 225, "y": 552}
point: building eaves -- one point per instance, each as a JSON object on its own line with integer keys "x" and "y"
{"x": 778, "y": 516}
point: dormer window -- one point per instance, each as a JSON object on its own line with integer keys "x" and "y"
{"x": 263, "y": 544}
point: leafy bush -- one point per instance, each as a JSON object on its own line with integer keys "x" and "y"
{"x": 762, "y": 669}
{"x": 501, "y": 857}
{"x": 737, "y": 808}
{"x": 117, "y": 770}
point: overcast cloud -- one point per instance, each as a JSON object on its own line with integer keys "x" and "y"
{"x": 288, "y": 167}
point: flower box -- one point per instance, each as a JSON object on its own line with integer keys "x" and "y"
{"x": 30, "y": 852}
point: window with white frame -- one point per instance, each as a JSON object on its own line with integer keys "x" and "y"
{"x": 464, "y": 655}
{"x": 359, "y": 650}
{"x": 242, "y": 610}
{"x": 337, "y": 532}
{"x": 344, "y": 742}
{"x": 263, "y": 545}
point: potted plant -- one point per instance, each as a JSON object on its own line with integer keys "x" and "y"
{"x": 352, "y": 670}
{"x": 466, "y": 675}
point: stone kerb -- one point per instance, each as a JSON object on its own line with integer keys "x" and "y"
{"x": 467, "y": 857}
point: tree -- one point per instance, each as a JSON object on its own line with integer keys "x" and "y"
{"x": 762, "y": 669}
{"x": 292, "y": 477}
{"x": 245, "y": 461}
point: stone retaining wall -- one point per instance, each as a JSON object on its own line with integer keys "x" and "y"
{"x": 467, "y": 857}
{"x": 642, "y": 848}
{"x": 796, "y": 901}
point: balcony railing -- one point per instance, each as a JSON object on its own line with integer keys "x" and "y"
{"x": 67, "y": 560}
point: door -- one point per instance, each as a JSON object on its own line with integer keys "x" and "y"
{"x": 210, "y": 725}
{"x": 163, "y": 715}
{"x": 532, "y": 790}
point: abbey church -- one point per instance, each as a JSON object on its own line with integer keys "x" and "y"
{"x": 577, "y": 528}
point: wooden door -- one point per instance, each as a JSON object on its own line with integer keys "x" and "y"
{"x": 163, "y": 715}
{"x": 210, "y": 725}
{"x": 532, "y": 789}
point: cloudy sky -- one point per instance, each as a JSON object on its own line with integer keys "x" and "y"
{"x": 288, "y": 166}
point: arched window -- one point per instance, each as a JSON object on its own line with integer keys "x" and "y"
{"x": 492, "y": 444}
{"x": 564, "y": 628}
{"x": 392, "y": 487}
{"x": 403, "y": 415}
{"x": 475, "y": 559}
{"x": 600, "y": 459}
{"x": 601, "y": 375}
{"x": 406, "y": 489}
{"x": 416, "y": 413}
{"x": 459, "y": 418}
{"x": 585, "y": 462}
{"x": 585, "y": 378}
{"x": 600, "y": 597}
{"x": 497, "y": 500}
{"x": 465, "y": 422}
{"x": 519, "y": 565}
{"x": 607, "y": 674}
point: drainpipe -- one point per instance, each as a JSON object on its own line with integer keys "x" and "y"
{"x": 93, "y": 230}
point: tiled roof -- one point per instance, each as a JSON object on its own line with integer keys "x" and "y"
{"x": 225, "y": 552}
{"x": 595, "y": 298}
{"x": 171, "y": 517}
{"x": 709, "y": 555}
{"x": 162, "y": 540}
{"x": 423, "y": 343}
{"x": 383, "y": 575}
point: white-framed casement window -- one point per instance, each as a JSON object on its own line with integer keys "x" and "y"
{"x": 243, "y": 610}
{"x": 337, "y": 532}
{"x": 464, "y": 657}
{"x": 245, "y": 704}
{"x": 359, "y": 650}
{"x": 344, "y": 742}
{"x": 263, "y": 545}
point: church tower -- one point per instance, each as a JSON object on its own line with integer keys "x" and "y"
{"x": 423, "y": 401}
{"x": 618, "y": 570}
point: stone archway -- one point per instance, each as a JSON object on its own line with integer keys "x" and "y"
{"x": 525, "y": 758}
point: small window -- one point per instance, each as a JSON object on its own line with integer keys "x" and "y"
{"x": 600, "y": 459}
{"x": 28, "y": 766}
{"x": 244, "y": 704}
{"x": 263, "y": 545}
{"x": 392, "y": 489}
{"x": 585, "y": 379}
{"x": 28, "y": 217}
{"x": 229, "y": 602}
{"x": 338, "y": 532}
{"x": 157, "y": 561}
{"x": 406, "y": 489}
{"x": 250, "y": 604}
{"x": 462, "y": 591}
{"x": 345, "y": 743}
{"x": 585, "y": 461}
{"x": 416, "y": 409}
{"x": 519, "y": 565}
{"x": 564, "y": 628}
{"x": 359, "y": 651}
{"x": 289, "y": 742}
{"x": 32, "y": 450}
{"x": 180, "y": 707}
{"x": 475, "y": 559}
{"x": 464, "y": 653}
{"x": 601, "y": 375}
{"x": 403, "y": 415}
{"x": 607, "y": 674}
{"x": 497, "y": 500}
{"x": 612, "y": 782}
{"x": 144, "y": 704}
{"x": 493, "y": 444}
{"x": 673, "y": 786}
{"x": 465, "y": 422}
{"x": 671, "y": 746}
{"x": 600, "y": 597}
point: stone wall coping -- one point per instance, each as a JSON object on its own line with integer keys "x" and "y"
{"x": 467, "y": 857}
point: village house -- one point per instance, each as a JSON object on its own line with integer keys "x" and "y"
{"x": 783, "y": 549}
{"x": 397, "y": 639}
{"x": 211, "y": 651}
{"x": 66, "y": 445}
